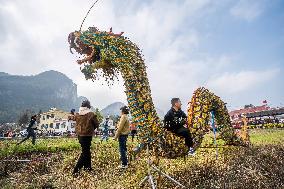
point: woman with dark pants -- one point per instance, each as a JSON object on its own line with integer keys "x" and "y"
{"x": 86, "y": 123}
{"x": 133, "y": 131}
{"x": 122, "y": 134}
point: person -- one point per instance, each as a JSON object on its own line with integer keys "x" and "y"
{"x": 30, "y": 130}
{"x": 133, "y": 130}
{"x": 174, "y": 121}
{"x": 10, "y": 133}
{"x": 86, "y": 123}
{"x": 105, "y": 129}
{"x": 122, "y": 134}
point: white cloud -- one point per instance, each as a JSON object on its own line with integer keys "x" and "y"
{"x": 37, "y": 40}
{"x": 34, "y": 39}
{"x": 239, "y": 82}
{"x": 248, "y": 10}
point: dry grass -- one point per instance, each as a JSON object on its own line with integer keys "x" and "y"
{"x": 259, "y": 166}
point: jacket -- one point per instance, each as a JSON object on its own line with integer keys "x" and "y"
{"x": 32, "y": 124}
{"x": 123, "y": 126}
{"x": 174, "y": 120}
{"x": 86, "y": 122}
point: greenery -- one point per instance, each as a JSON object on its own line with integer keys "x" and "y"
{"x": 257, "y": 166}
{"x": 268, "y": 136}
{"x": 267, "y": 126}
{"x": 99, "y": 115}
{"x": 43, "y": 145}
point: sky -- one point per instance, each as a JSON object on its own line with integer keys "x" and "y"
{"x": 235, "y": 48}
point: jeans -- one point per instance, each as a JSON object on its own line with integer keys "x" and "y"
{"x": 133, "y": 133}
{"x": 31, "y": 133}
{"x": 184, "y": 132}
{"x": 85, "y": 157}
{"x": 105, "y": 134}
{"x": 123, "y": 149}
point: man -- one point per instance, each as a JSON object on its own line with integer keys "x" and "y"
{"x": 30, "y": 130}
{"x": 86, "y": 123}
{"x": 174, "y": 122}
{"x": 105, "y": 129}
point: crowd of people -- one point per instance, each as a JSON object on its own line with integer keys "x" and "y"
{"x": 259, "y": 122}
{"x": 262, "y": 121}
{"x": 8, "y": 133}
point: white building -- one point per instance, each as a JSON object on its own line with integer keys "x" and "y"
{"x": 56, "y": 121}
{"x": 63, "y": 126}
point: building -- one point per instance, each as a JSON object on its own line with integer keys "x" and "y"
{"x": 56, "y": 120}
{"x": 257, "y": 115}
{"x": 236, "y": 115}
{"x": 64, "y": 125}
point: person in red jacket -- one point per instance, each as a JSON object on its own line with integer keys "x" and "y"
{"x": 133, "y": 130}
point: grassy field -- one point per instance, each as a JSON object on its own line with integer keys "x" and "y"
{"x": 267, "y": 136}
{"x": 52, "y": 161}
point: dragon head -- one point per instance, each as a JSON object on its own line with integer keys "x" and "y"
{"x": 106, "y": 53}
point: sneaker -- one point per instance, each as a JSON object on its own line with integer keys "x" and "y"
{"x": 123, "y": 166}
{"x": 191, "y": 152}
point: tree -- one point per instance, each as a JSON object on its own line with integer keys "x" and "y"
{"x": 24, "y": 118}
{"x": 99, "y": 115}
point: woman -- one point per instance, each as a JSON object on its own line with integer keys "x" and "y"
{"x": 122, "y": 134}
{"x": 86, "y": 123}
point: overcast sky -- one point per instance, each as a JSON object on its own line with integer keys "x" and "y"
{"x": 233, "y": 47}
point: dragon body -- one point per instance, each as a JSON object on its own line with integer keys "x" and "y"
{"x": 109, "y": 55}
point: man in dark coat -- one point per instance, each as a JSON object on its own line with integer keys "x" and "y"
{"x": 30, "y": 130}
{"x": 174, "y": 121}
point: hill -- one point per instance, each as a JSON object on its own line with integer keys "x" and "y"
{"x": 114, "y": 109}
{"x": 37, "y": 92}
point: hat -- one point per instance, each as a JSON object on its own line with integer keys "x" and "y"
{"x": 125, "y": 109}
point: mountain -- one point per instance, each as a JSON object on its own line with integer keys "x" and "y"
{"x": 3, "y": 74}
{"x": 114, "y": 109}
{"x": 38, "y": 92}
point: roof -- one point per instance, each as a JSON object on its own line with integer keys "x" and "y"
{"x": 52, "y": 111}
{"x": 249, "y": 110}
{"x": 271, "y": 112}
